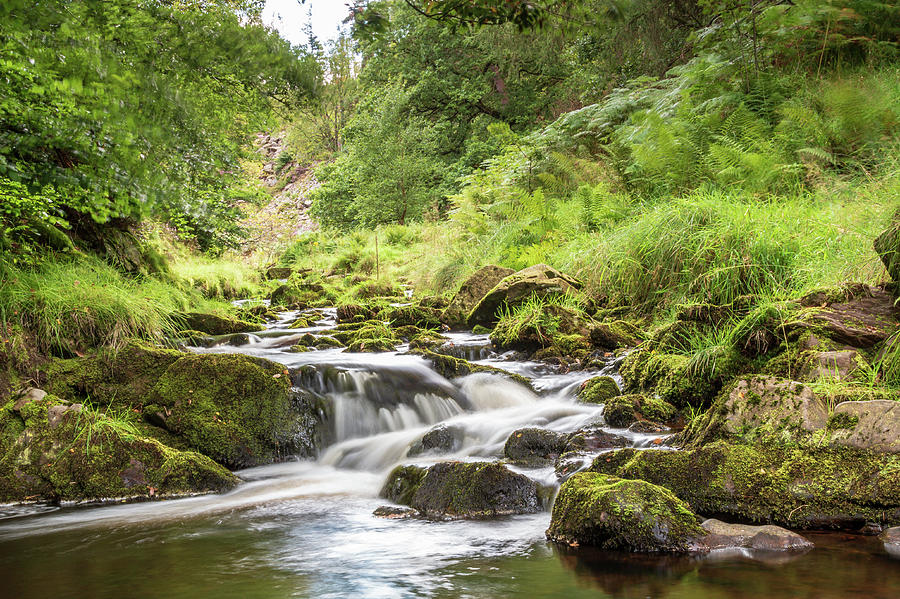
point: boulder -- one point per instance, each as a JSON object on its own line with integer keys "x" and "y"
{"x": 471, "y": 292}
{"x": 614, "y": 335}
{"x": 457, "y": 490}
{"x": 450, "y": 367}
{"x": 551, "y": 331}
{"x": 821, "y": 486}
{"x": 891, "y": 540}
{"x": 873, "y": 425}
{"x": 721, "y": 535}
{"x": 887, "y": 246}
{"x": 534, "y": 446}
{"x": 599, "y": 390}
{"x": 213, "y": 324}
{"x": 623, "y": 410}
{"x": 539, "y": 280}
{"x": 441, "y": 439}
{"x": 398, "y": 316}
{"x": 278, "y": 272}
{"x": 831, "y": 365}
{"x": 859, "y": 316}
{"x": 402, "y": 483}
{"x": 393, "y": 512}
{"x": 627, "y": 515}
{"x": 57, "y": 451}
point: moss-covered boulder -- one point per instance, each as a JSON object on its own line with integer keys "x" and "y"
{"x": 347, "y": 313}
{"x": 214, "y": 324}
{"x": 450, "y": 367}
{"x": 547, "y": 330}
{"x": 442, "y": 439}
{"x": 234, "y": 408}
{"x": 614, "y": 335}
{"x": 398, "y": 316}
{"x": 859, "y": 316}
{"x": 402, "y": 483}
{"x": 623, "y": 410}
{"x": 872, "y": 425}
{"x": 55, "y": 450}
{"x": 627, "y": 515}
{"x": 833, "y": 487}
{"x": 372, "y": 336}
{"x": 534, "y": 446}
{"x": 471, "y": 292}
{"x": 539, "y": 280}
{"x": 297, "y": 296}
{"x": 598, "y": 390}
{"x": 459, "y": 490}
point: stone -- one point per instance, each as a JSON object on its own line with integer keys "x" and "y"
{"x": 474, "y": 490}
{"x": 471, "y": 292}
{"x": 598, "y": 390}
{"x": 863, "y": 318}
{"x": 439, "y": 440}
{"x": 278, "y": 272}
{"x": 393, "y": 512}
{"x": 722, "y": 535}
{"x": 213, "y": 324}
{"x": 887, "y": 246}
{"x": 27, "y": 396}
{"x": 594, "y": 438}
{"x": 627, "y": 515}
{"x": 534, "y": 446}
{"x": 538, "y": 280}
{"x": 873, "y": 425}
{"x": 833, "y": 365}
{"x": 402, "y": 483}
{"x": 891, "y": 540}
{"x": 623, "y": 410}
{"x": 614, "y": 335}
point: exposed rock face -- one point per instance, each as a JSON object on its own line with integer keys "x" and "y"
{"x": 864, "y": 317}
{"x": 630, "y": 515}
{"x": 439, "y": 440}
{"x": 887, "y": 246}
{"x": 54, "y": 450}
{"x": 212, "y": 324}
{"x": 458, "y": 490}
{"x": 722, "y": 535}
{"x": 833, "y": 487}
{"x": 538, "y": 280}
{"x": 871, "y": 425}
{"x": 471, "y": 292}
{"x": 534, "y": 446}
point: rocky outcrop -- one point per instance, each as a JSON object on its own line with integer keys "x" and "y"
{"x": 539, "y": 280}
{"x": 628, "y": 515}
{"x": 471, "y": 292}
{"x": 459, "y": 490}
{"x": 858, "y": 316}
{"x": 55, "y": 450}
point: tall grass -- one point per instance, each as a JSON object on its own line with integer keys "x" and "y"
{"x": 224, "y": 278}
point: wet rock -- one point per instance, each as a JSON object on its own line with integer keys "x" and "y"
{"x": 831, "y": 487}
{"x": 873, "y": 425}
{"x": 538, "y": 280}
{"x": 451, "y": 368}
{"x": 213, "y": 324}
{"x": 439, "y": 440}
{"x": 624, "y": 410}
{"x": 649, "y": 428}
{"x": 393, "y": 512}
{"x": 56, "y": 451}
{"x": 599, "y": 389}
{"x": 471, "y": 292}
{"x": 722, "y": 535}
{"x": 629, "y": 515}
{"x": 534, "y": 446}
{"x": 891, "y": 540}
{"x": 27, "y": 396}
{"x": 594, "y": 438}
{"x": 452, "y": 490}
{"x": 402, "y": 483}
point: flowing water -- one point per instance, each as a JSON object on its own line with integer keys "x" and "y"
{"x": 306, "y": 529}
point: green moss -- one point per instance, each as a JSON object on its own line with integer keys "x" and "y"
{"x": 598, "y": 390}
{"x": 213, "y": 324}
{"x": 429, "y": 318}
{"x": 803, "y": 488}
{"x": 402, "y": 483}
{"x": 451, "y": 368}
{"x": 842, "y": 421}
{"x": 615, "y": 514}
{"x": 623, "y": 410}
{"x": 481, "y": 330}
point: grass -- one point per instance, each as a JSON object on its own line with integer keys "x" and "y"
{"x": 96, "y": 426}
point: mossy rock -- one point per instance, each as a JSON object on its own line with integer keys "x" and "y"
{"x": 480, "y": 330}
{"x": 830, "y": 487}
{"x": 450, "y": 367}
{"x": 615, "y": 335}
{"x": 428, "y": 318}
{"x": 236, "y": 409}
{"x": 213, "y": 324}
{"x": 347, "y": 313}
{"x": 539, "y": 280}
{"x": 402, "y": 483}
{"x": 471, "y": 292}
{"x": 296, "y": 296}
{"x": 427, "y": 340}
{"x": 441, "y": 439}
{"x": 58, "y": 451}
{"x": 452, "y": 490}
{"x": 626, "y": 515}
{"x": 534, "y": 446}
{"x": 598, "y": 390}
{"x": 623, "y": 410}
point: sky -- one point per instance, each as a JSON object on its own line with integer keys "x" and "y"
{"x": 288, "y": 17}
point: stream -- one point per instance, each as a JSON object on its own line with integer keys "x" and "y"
{"x": 306, "y": 528}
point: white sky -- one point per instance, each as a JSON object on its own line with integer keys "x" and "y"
{"x": 288, "y": 17}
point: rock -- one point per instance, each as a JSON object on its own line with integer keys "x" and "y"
{"x": 451, "y": 368}
{"x": 213, "y": 324}
{"x": 534, "y": 446}
{"x": 864, "y": 319}
{"x": 834, "y": 365}
{"x": 538, "y": 280}
{"x": 830, "y": 487}
{"x": 760, "y": 406}
{"x": 392, "y": 512}
{"x": 402, "y": 483}
{"x": 556, "y": 331}
{"x": 873, "y": 425}
{"x": 439, "y": 440}
{"x": 623, "y": 410}
{"x": 56, "y": 451}
{"x": 471, "y": 292}
{"x": 599, "y": 389}
{"x": 649, "y": 428}
{"x": 887, "y": 246}
{"x": 722, "y": 535}
{"x": 278, "y": 273}
{"x": 614, "y": 335}
{"x": 355, "y": 313}
{"x": 429, "y": 318}
{"x": 629, "y": 515}
{"x": 27, "y": 396}
{"x": 474, "y": 490}
{"x": 595, "y": 439}
{"x": 891, "y": 540}
{"x": 296, "y": 296}
{"x": 236, "y": 409}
